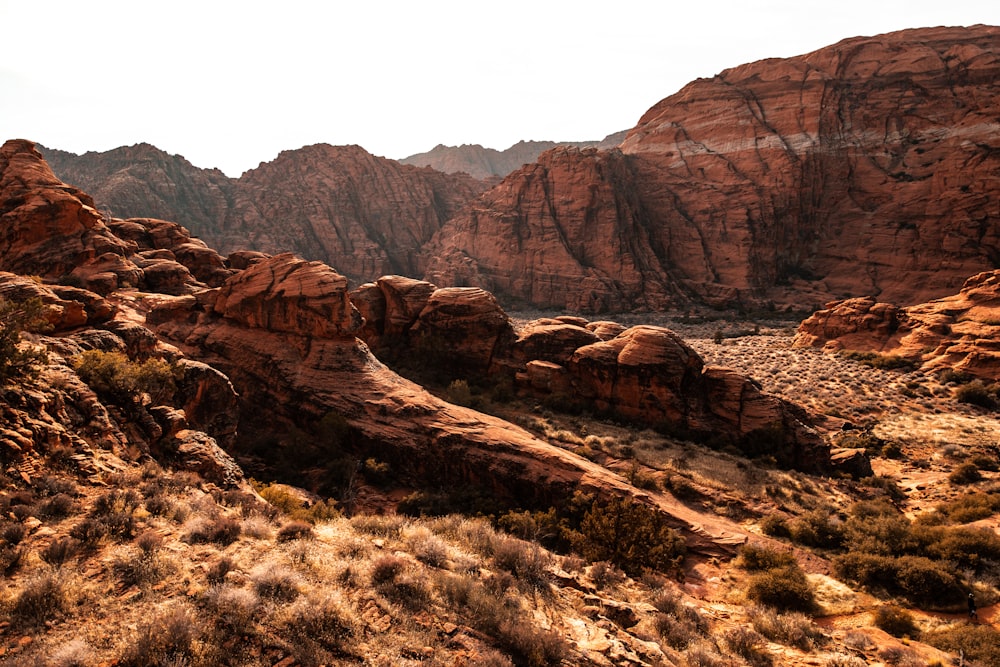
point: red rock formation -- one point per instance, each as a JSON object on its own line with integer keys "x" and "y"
{"x": 958, "y": 332}
{"x": 867, "y": 167}
{"x": 297, "y": 378}
{"x": 47, "y": 228}
{"x": 366, "y": 215}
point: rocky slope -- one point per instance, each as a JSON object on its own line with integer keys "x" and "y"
{"x": 341, "y": 205}
{"x": 129, "y": 535}
{"x": 867, "y": 167}
{"x": 283, "y": 331}
{"x": 485, "y": 163}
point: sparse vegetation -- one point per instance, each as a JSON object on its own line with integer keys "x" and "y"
{"x": 18, "y": 359}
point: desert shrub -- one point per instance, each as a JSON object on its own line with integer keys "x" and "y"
{"x": 234, "y": 608}
{"x": 294, "y": 505}
{"x": 977, "y": 393}
{"x": 882, "y": 361}
{"x": 965, "y": 473}
{"x": 919, "y": 579}
{"x": 58, "y": 506}
{"x": 458, "y": 392}
{"x": 792, "y": 629}
{"x": 115, "y": 377}
{"x": 896, "y": 621}
{"x": 775, "y": 525}
{"x": 320, "y": 627}
{"x": 11, "y": 557}
{"x": 606, "y": 575}
{"x": 979, "y": 643}
{"x": 966, "y": 547}
{"x": 428, "y": 548}
{"x": 218, "y": 530}
{"x": 275, "y": 582}
{"x": 630, "y": 535}
{"x": 379, "y": 526}
{"x": 219, "y": 569}
{"x": 971, "y": 507}
{"x": 13, "y": 533}
{"x": 377, "y": 473}
{"x": 748, "y": 644}
{"x": 74, "y": 653}
{"x": 526, "y": 561}
{"x": 756, "y": 557}
{"x": 295, "y": 530}
{"x": 15, "y": 318}
{"x": 897, "y": 656}
{"x": 89, "y": 532}
{"x": 140, "y": 567}
{"x": 41, "y": 599}
{"x": 844, "y": 660}
{"x": 386, "y": 569}
{"x": 785, "y": 588}
{"x": 60, "y": 550}
{"x": 878, "y": 527}
{"x": 257, "y": 527}
{"x": 531, "y": 646}
{"x": 817, "y": 528}
{"x": 168, "y": 639}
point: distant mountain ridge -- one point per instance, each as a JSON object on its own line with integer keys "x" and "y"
{"x": 485, "y": 163}
{"x": 366, "y": 215}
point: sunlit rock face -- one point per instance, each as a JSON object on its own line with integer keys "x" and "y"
{"x": 866, "y": 167}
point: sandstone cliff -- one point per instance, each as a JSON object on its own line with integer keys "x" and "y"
{"x": 867, "y": 167}
{"x": 485, "y": 163}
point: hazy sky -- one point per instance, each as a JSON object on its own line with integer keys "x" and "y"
{"x": 230, "y": 84}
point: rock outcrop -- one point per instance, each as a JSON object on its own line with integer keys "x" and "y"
{"x": 642, "y": 374}
{"x": 958, "y": 332}
{"x": 867, "y": 167}
{"x": 486, "y": 163}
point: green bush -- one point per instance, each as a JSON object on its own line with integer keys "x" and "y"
{"x": 115, "y": 377}
{"x": 977, "y": 393}
{"x": 979, "y": 643}
{"x": 966, "y": 473}
{"x": 896, "y": 621}
{"x": 755, "y": 557}
{"x": 15, "y": 318}
{"x": 921, "y": 580}
{"x": 784, "y": 588}
{"x": 630, "y": 535}
{"x": 817, "y": 528}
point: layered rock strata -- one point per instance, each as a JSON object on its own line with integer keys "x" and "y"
{"x": 867, "y": 167}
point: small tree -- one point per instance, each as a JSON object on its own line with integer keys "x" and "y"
{"x": 630, "y": 535}
{"x": 15, "y": 317}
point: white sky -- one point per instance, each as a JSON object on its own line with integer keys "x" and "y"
{"x": 230, "y": 84}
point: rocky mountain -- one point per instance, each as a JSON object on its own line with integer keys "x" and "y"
{"x": 364, "y": 214}
{"x": 486, "y": 163}
{"x": 866, "y": 167}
